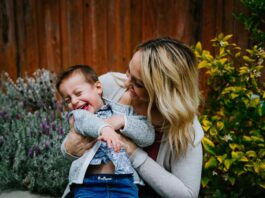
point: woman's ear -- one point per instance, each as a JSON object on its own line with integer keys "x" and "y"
{"x": 99, "y": 88}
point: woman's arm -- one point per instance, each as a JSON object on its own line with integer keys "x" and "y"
{"x": 74, "y": 145}
{"x": 183, "y": 174}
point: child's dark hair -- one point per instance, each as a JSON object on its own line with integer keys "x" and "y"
{"x": 85, "y": 70}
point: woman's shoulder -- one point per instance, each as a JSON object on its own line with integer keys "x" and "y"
{"x": 113, "y": 85}
{"x": 112, "y": 76}
{"x": 198, "y": 130}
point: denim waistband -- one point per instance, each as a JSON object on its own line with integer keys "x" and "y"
{"x": 108, "y": 176}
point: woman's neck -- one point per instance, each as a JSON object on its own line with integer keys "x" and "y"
{"x": 140, "y": 107}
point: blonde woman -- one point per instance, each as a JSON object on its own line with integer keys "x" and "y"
{"x": 161, "y": 83}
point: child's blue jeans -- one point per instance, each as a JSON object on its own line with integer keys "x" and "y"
{"x": 106, "y": 186}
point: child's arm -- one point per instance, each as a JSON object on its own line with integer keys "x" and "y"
{"x": 89, "y": 124}
{"x": 135, "y": 127}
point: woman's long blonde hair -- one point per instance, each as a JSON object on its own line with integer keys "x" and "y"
{"x": 170, "y": 75}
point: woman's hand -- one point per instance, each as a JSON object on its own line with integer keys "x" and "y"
{"x": 117, "y": 122}
{"x": 129, "y": 145}
{"x": 77, "y": 144}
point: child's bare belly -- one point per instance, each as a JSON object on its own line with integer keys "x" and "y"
{"x": 101, "y": 169}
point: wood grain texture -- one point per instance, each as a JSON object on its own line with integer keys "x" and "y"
{"x": 55, "y": 34}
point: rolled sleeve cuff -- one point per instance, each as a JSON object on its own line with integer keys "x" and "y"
{"x": 125, "y": 127}
{"x": 138, "y": 157}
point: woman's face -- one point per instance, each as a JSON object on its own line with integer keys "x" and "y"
{"x": 135, "y": 84}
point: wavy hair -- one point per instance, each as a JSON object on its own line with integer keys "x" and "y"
{"x": 170, "y": 76}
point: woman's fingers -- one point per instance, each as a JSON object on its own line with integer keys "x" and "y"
{"x": 77, "y": 144}
{"x": 128, "y": 145}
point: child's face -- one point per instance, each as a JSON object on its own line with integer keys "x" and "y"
{"x": 79, "y": 94}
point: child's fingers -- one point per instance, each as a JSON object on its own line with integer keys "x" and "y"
{"x": 117, "y": 146}
{"x": 109, "y": 143}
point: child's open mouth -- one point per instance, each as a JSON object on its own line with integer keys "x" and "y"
{"x": 85, "y": 107}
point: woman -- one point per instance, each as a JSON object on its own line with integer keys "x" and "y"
{"x": 162, "y": 83}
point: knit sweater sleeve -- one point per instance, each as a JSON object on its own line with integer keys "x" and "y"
{"x": 172, "y": 176}
{"x": 86, "y": 123}
{"x": 139, "y": 130}
{"x": 182, "y": 181}
{"x": 136, "y": 127}
{"x": 112, "y": 83}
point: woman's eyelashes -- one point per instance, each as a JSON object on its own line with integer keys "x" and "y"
{"x": 138, "y": 84}
{"x": 134, "y": 81}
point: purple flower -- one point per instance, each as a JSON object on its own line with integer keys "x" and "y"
{"x": 30, "y": 153}
{"x": 53, "y": 115}
{"x": 46, "y": 146}
{"x": 37, "y": 150}
{"x": 47, "y": 119}
{"x": 53, "y": 126}
{"x": 45, "y": 128}
{"x": 3, "y": 114}
{"x": 18, "y": 116}
{"x": 60, "y": 130}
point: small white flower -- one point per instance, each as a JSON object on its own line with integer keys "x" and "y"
{"x": 227, "y": 137}
{"x": 225, "y": 177}
{"x": 214, "y": 173}
{"x": 258, "y": 74}
{"x": 222, "y": 43}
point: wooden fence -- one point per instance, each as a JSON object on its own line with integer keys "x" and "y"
{"x": 55, "y": 34}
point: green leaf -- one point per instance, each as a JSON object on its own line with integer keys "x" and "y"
{"x": 247, "y": 59}
{"x": 206, "y": 124}
{"x": 236, "y": 155}
{"x": 203, "y": 64}
{"x": 199, "y": 46}
{"x": 204, "y": 181}
{"x": 211, "y": 163}
{"x": 208, "y": 145}
{"x": 262, "y": 184}
{"x": 232, "y": 180}
{"x": 220, "y": 125}
{"x": 221, "y": 158}
{"x": 227, "y": 37}
{"x": 228, "y": 163}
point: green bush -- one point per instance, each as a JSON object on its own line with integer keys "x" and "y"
{"x": 233, "y": 120}
{"x": 32, "y": 126}
{"x": 254, "y": 21}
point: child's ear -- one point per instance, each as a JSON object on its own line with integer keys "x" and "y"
{"x": 99, "y": 87}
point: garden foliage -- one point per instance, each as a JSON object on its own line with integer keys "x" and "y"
{"x": 32, "y": 126}
{"x": 233, "y": 119}
{"x": 254, "y": 20}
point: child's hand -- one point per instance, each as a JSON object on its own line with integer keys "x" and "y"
{"x": 117, "y": 122}
{"x": 109, "y": 135}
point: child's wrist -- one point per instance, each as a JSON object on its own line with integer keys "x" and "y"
{"x": 122, "y": 122}
{"x": 105, "y": 129}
